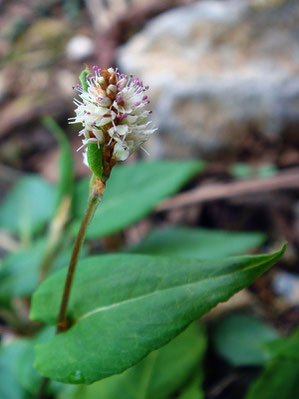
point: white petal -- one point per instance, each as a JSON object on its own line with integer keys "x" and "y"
{"x": 122, "y": 129}
{"x": 120, "y": 153}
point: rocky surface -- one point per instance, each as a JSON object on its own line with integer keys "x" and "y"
{"x": 217, "y": 70}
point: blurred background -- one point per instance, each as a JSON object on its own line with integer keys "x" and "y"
{"x": 224, "y": 85}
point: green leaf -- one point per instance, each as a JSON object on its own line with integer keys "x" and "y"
{"x": 157, "y": 376}
{"x": 132, "y": 192}
{"x": 95, "y": 159}
{"x": 27, "y": 375}
{"x": 10, "y": 388}
{"x": 240, "y": 338}
{"x": 18, "y": 378}
{"x": 245, "y": 171}
{"x": 124, "y": 306}
{"x": 197, "y": 243}
{"x": 28, "y": 206}
{"x": 19, "y": 272}
{"x": 285, "y": 347}
{"x": 66, "y": 181}
{"x": 193, "y": 391}
{"x": 280, "y": 378}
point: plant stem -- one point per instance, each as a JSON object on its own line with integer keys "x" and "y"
{"x": 97, "y": 188}
{"x": 43, "y": 388}
{"x": 96, "y": 191}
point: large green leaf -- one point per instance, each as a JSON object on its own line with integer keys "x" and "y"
{"x": 280, "y": 378}
{"x": 198, "y": 243}
{"x": 28, "y": 206}
{"x": 132, "y": 192}
{"x": 124, "y": 306}
{"x": 240, "y": 339}
{"x": 157, "y": 376}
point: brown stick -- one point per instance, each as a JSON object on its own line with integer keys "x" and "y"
{"x": 283, "y": 180}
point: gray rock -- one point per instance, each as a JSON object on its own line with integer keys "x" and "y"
{"x": 287, "y": 285}
{"x": 218, "y": 69}
{"x": 80, "y": 48}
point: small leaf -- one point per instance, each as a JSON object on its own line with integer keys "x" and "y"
{"x": 28, "y": 206}
{"x": 124, "y": 306}
{"x": 95, "y": 159}
{"x": 240, "y": 338}
{"x": 157, "y": 376}
{"x": 197, "y": 243}
{"x": 132, "y": 192}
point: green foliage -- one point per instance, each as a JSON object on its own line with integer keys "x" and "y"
{"x": 197, "y": 243}
{"x": 28, "y": 206}
{"x": 132, "y": 304}
{"x": 10, "y": 387}
{"x": 66, "y": 164}
{"x": 95, "y": 159}
{"x": 243, "y": 170}
{"x": 19, "y": 272}
{"x": 129, "y": 311}
{"x": 193, "y": 391}
{"x": 240, "y": 339}
{"x": 157, "y": 376}
{"x": 132, "y": 193}
{"x": 285, "y": 347}
{"x": 27, "y": 375}
{"x": 280, "y": 378}
{"x": 18, "y": 378}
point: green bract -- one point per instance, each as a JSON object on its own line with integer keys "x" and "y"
{"x": 95, "y": 159}
{"x": 83, "y": 79}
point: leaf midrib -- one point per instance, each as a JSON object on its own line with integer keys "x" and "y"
{"x": 141, "y": 297}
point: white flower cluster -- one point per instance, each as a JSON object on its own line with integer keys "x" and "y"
{"x": 113, "y": 110}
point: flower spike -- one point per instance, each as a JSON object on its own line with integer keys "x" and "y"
{"x": 113, "y": 112}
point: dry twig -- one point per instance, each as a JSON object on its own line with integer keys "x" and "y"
{"x": 288, "y": 179}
